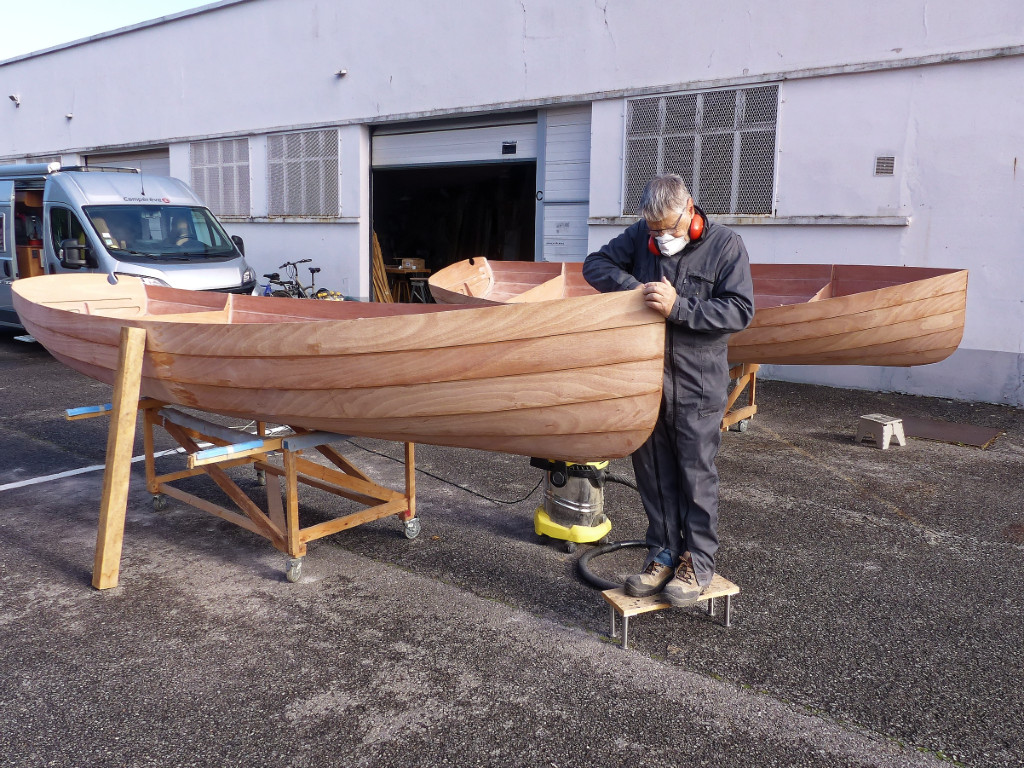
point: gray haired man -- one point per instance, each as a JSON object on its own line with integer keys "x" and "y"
{"x": 695, "y": 273}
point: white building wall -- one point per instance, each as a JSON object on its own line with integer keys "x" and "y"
{"x": 267, "y": 64}
{"x": 850, "y": 90}
{"x": 955, "y": 181}
{"x": 340, "y": 248}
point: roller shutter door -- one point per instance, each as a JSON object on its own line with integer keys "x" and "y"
{"x": 456, "y": 145}
{"x": 156, "y": 162}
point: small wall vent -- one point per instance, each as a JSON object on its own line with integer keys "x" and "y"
{"x": 885, "y": 165}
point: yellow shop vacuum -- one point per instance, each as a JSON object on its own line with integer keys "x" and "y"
{"x": 573, "y": 506}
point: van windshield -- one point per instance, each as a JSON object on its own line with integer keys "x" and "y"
{"x": 160, "y": 232}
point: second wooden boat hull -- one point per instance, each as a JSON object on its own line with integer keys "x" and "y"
{"x": 806, "y": 314}
{"x": 893, "y": 316}
{"x": 565, "y": 380}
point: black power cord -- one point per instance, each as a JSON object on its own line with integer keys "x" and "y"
{"x": 583, "y": 563}
{"x": 450, "y": 482}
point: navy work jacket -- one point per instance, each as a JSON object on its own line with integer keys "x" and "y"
{"x": 715, "y": 299}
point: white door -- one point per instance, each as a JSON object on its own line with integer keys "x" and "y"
{"x": 563, "y": 194}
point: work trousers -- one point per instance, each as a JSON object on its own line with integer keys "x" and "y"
{"x": 678, "y": 484}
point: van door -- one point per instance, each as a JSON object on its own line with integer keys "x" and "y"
{"x": 8, "y": 262}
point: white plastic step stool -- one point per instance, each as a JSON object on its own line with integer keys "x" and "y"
{"x": 881, "y": 429}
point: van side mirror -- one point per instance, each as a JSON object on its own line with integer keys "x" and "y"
{"x": 237, "y": 240}
{"x": 75, "y": 255}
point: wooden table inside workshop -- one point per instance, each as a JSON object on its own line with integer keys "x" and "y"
{"x": 399, "y": 279}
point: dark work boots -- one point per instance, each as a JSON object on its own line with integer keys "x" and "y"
{"x": 650, "y": 581}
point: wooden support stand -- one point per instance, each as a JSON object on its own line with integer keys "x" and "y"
{"x": 280, "y": 523}
{"x": 626, "y": 606}
{"x": 881, "y": 429}
{"x": 230, "y": 448}
{"x": 745, "y": 376}
{"x": 120, "y": 442}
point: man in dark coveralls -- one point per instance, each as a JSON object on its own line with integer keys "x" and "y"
{"x": 696, "y": 274}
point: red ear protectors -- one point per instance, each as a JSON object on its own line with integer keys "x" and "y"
{"x": 695, "y": 231}
{"x": 696, "y": 227}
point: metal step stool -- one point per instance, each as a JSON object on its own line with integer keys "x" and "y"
{"x": 625, "y": 606}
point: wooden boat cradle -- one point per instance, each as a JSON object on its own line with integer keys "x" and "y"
{"x": 280, "y": 524}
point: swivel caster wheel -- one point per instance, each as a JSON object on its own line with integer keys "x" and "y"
{"x": 570, "y": 546}
{"x": 159, "y": 502}
{"x": 261, "y": 477}
{"x": 412, "y": 528}
{"x": 293, "y": 569}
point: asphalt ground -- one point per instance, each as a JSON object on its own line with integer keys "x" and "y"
{"x": 879, "y": 623}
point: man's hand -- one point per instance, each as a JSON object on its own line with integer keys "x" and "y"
{"x": 661, "y": 297}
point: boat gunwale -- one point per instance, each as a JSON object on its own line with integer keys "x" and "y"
{"x": 387, "y": 333}
{"x": 837, "y": 306}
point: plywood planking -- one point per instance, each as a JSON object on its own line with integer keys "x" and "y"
{"x": 551, "y": 378}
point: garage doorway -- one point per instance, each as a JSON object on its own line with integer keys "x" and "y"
{"x": 154, "y": 161}
{"x": 445, "y": 214}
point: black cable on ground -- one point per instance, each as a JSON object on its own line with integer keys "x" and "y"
{"x": 449, "y": 482}
{"x": 583, "y": 563}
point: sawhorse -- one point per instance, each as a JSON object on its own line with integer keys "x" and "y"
{"x": 230, "y": 448}
{"x": 745, "y": 378}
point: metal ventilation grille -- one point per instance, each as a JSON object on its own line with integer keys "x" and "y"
{"x": 302, "y": 173}
{"x": 721, "y": 142}
{"x": 220, "y": 175}
{"x": 885, "y": 166}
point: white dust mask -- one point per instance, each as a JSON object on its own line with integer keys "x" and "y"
{"x": 670, "y": 246}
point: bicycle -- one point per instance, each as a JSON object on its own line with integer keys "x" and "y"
{"x": 291, "y": 287}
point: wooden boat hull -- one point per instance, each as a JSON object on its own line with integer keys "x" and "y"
{"x": 806, "y": 314}
{"x": 561, "y": 380}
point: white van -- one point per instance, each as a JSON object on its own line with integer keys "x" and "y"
{"x": 118, "y": 221}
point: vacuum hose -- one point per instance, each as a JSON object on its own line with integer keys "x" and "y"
{"x": 621, "y": 480}
{"x": 583, "y": 563}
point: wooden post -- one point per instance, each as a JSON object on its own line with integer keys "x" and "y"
{"x": 120, "y": 444}
{"x": 410, "y": 480}
{"x": 296, "y": 547}
{"x": 147, "y": 449}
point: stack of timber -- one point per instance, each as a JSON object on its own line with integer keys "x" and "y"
{"x": 381, "y": 287}
{"x": 806, "y": 314}
{"x": 565, "y": 379}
